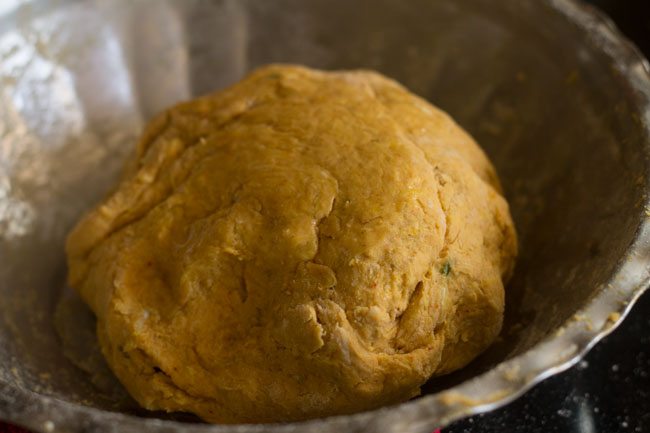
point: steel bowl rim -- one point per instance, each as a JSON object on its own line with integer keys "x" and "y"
{"x": 495, "y": 388}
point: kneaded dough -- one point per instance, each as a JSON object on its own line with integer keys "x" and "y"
{"x": 301, "y": 244}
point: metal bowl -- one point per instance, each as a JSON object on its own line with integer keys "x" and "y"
{"x": 560, "y": 101}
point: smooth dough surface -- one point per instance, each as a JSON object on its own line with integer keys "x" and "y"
{"x": 301, "y": 244}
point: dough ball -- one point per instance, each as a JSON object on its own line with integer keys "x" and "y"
{"x": 301, "y": 244}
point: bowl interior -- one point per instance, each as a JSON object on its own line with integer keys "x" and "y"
{"x": 78, "y": 79}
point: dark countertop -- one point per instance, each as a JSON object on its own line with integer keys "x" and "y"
{"x": 609, "y": 391}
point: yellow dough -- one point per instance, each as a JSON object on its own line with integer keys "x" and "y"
{"x": 301, "y": 244}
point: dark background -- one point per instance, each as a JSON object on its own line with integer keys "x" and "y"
{"x": 609, "y": 391}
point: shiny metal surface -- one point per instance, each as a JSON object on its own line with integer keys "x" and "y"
{"x": 557, "y": 97}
